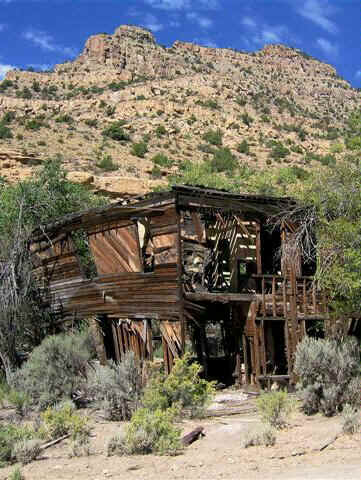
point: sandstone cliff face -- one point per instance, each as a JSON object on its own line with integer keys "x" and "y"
{"x": 169, "y": 98}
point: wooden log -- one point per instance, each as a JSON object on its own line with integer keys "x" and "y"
{"x": 192, "y": 436}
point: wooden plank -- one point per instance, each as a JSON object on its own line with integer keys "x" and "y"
{"x": 219, "y": 297}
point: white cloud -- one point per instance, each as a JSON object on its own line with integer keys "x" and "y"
{"x": 203, "y": 22}
{"x": 169, "y": 4}
{"x": 249, "y": 22}
{"x": 151, "y": 22}
{"x": 4, "y": 69}
{"x": 328, "y": 48}
{"x": 46, "y": 42}
{"x": 318, "y": 12}
{"x": 260, "y": 33}
{"x": 183, "y": 4}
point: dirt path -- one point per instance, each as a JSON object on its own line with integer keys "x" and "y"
{"x": 217, "y": 456}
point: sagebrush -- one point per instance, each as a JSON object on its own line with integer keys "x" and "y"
{"x": 275, "y": 408}
{"x": 55, "y": 369}
{"x": 117, "y": 387}
{"x": 329, "y": 374}
{"x": 259, "y": 435}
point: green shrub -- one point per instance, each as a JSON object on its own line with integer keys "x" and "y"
{"x": 24, "y": 93}
{"x": 20, "y": 400}
{"x": 213, "y": 104}
{"x": 116, "y": 445}
{"x": 223, "y": 160}
{"x": 5, "y": 84}
{"x": 205, "y": 148}
{"x": 160, "y": 131}
{"x": 115, "y": 86}
{"x": 214, "y": 137}
{"x": 260, "y": 435}
{"x": 241, "y": 101}
{"x": 116, "y": 132}
{"x": 61, "y": 420}
{"x": 116, "y": 387}
{"x": 106, "y": 163}
{"x": 279, "y": 151}
{"x": 16, "y": 475}
{"x": 350, "y": 420}
{"x": 243, "y": 147}
{"x": 336, "y": 148}
{"x": 329, "y": 374}
{"x": 9, "y": 436}
{"x": 9, "y": 116}
{"x": 5, "y": 132}
{"x": 182, "y": 388}
{"x": 139, "y": 149}
{"x": 156, "y": 172}
{"x": 91, "y": 122}
{"x": 26, "y": 451}
{"x": 65, "y": 118}
{"x": 33, "y": 124}
{"x": 162, "y": 160}
{"x": 55, "y": 369}
{"x": 274, "y": 408}
{"x": 153, "y": 431}
{"x": 246, "y": 119}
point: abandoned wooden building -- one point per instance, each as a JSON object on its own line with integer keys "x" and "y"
{"x": 192, "y": 266}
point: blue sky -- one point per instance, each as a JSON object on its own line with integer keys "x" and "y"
{"x": 41, "y": 33}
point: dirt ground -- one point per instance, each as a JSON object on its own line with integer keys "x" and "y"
{"x": 218, "y": 455}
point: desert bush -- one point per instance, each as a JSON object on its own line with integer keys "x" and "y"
{"x": 9, "y": 436}
{"x": 350, "y": 419}
{"x": 116, "y": 132}
{"x": 182, "y": 388}
{"x": 20, "y": 400}
{"x": 116, "y": 445}
{"x": 274, "y": 408}
{"x": 223, "y": 161}
{"x": 117, "y": 387}
{"x": 61, "y": 420}
{"x": 33, "y": 124}
{"x": 91, "y": 122}
{"x": 64, "y": 118}
{"x": 115, "y": 86}
{"x": 162, "y": 160}
{"x": 153, "y": 431}
{"x": 106, "y": 163}
{"x": 5, "y": 132}
{"x": 16, "y": 474}
{"x": 156, "y": 172}
{"x": 260, "y": 435}
{"x": 279, "y": 151}
{"x": 214, "y": 137}
{"x": 246, "y": 119}
{"x": 55, "y": 369}
{"x": 160, "y": 131}
{"x": 26, "y": 451}
{"x": 139, "y": 149}
{"x": 329, "y": 374}
{"x": 243, "y": 147}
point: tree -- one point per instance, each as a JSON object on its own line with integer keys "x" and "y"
{"x": 25, "y": 317}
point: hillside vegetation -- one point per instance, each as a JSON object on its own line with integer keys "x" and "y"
{"x": 129, "y": 112}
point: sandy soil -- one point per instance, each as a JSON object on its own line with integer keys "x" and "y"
{"x": 217, "y": 456}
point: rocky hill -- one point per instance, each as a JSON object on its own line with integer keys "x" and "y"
{"x": 128, "y": 111}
